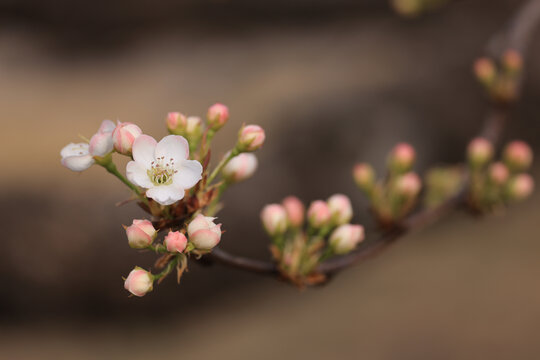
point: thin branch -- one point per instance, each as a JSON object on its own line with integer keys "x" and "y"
{"x": 517, "y": 36}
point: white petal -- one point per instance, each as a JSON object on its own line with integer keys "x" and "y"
{"x": 189, "y": 173}
{"x": 74, "y": 150}
{"x": 137, "y": 174}
{"x": 78, "y": 163}
{"x": 101, "y": 144}
{"x": 107, "y": 126}
{"x": 165, "y": 194}
{"x": 143, "y": 150}
{"x": 172, "y": 147}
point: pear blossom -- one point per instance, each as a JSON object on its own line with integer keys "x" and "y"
{"x": 341, "y": 209}
{"x": 217, "y": 116}
{"x": 163, "y": 168}
{"x": 295, "y": 210}
{"x": 480, "y": 151}
{"x": 80, "y": 156}
{"x": 346, "y": 237}
{"x": 251, "y": 138}
{"x": 140, "y": 234}
{"x": 139, "y": 282}
{"x": 364, "y": 176}
{"x": 175, "y": 241}
{"x": 124, "y": 136}
{"x": 240, "y": 167}
{"x": 274, "y": 219}
{"x": 319, "y": 214}
{"x": 203, "y": 232}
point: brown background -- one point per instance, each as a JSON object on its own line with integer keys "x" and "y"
{"x": 332, "y": 82}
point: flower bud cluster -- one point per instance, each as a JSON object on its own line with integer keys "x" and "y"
{"x": 496, "y": 183}
{"x": 302, "y": 239}
{"x": 393, "y": 197}
{"x": 500, "y": 79}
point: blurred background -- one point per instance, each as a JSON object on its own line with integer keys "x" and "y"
{"x": 333, "y": 82}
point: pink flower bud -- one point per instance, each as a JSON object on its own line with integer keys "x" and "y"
{"x": 274, "y": 219}
{"x": 485, "y": 70}
{"x": 346, "y": 237}
{"x": 217, "y": 116}
{"x": 518, "y": 155}
{"x": 521, "y": 187}
{"x": 139, "y": 282}
{"x": 124, "y": 136}
{"x": 175, "y": 241}
{"x": 240, "y": 167}
{"x": 498, "y": 173}
{"x": 340, "y": 209}
{"x": 402, "y": 157}
{"x": 364, "y": 176}
{"x": 176, "y": 123}
{"x": 408, "y": 185}
{"x": 319, "y": 214}
{"x": 250, "y": 138}
{"x": 295, "y": 210}
{"x": 140, "y": 234}
{"x": 203, "y": 232}
{"x": 512, "y": 60}
{"x": 479, "y": 152}
{"x": 194, "y": 126}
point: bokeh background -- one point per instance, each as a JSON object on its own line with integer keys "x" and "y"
{"x": 332, "y": 82}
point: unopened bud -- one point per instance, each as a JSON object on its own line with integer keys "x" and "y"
{"x": 295, "y": 210}
{"x": 520, "y": 187}
{"x": 139, "y": 282}
{"x": 485, "y": 70}
{"x": 176, "y": 123}
{"x": 217, "y": 116}
{"x": 364, "y": 176}
{"x": 193, "y": 127}
{"x": 274, "y": 219}
{"x": 479, "y": 152}
{"x": 498, "y": 173}
{"x": 401, "y": 158}
{"x": 203, "y": 232}
{"x": 340, "y": 209}
{"x": 140, "y": 234}
{"x": 518, "y": 155}
{"x": 512, "y": 60}
{"x": 101, "y": 143}
{"x": 250, "y": 138}
{"x": 240, "y": 167}
{"x": 346, "y": 237}
{"x": 124, "y": 136}
{"x": 175, "y": 241}
{"x": 319, "y": 214}
{"x": 408, "y": 185}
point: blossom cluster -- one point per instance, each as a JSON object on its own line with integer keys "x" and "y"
{"x": 500, "y": 78}
{"x": 301, "y": 240}
{"x": 171, "y": 181}
{"x": 394, "y": 196}
{"x": 496, "y": 183}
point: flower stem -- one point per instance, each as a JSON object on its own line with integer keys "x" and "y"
{"x": 170, "y": 266}
{"x": 234, "y": 152}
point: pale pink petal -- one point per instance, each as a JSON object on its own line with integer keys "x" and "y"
{"x": 189, "y": 174}
{"x": 107, "y": 126}
{"x": 101, "y": 144}
{"x": 143, "y": 150}
{"x": 165, "y": 194}
{"x": 72, "y": 149}
{"x": 172, "y": 147}
{"x": 78, "y": 163}
{"x": 137, "y": 174}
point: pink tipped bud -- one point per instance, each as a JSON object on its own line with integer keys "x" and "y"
{"x": 498, "y": 173}
{"x": 512, "y": 60}
{"x": 217, "y": 116}
{"x": 340, "y": 208}
{"x": 401, "y": 158}
{"x": 364, "y": 176}
{"x": 319, "y": 214}
{"x": 521, "y": 187}
{"x": 176, "y": 123}
{"x": 139, "y": 282}
{"x": 175, "y": 241}
{"x": 408, "y": 185}
{"x": 479, "y": 152}
{"x": 485, "y": 70}
{"x": 295, "y": 210}
{"x": 203, "y": 232}
{"x": 274, "y": 219}
{"x": 140, "y": 234}
{"x": 346, "y": 237}
{"x": 250, "y": 138}
{"x": 240, "y": 167}
{"x": 518, "y": 155}
{"x": 124, "y": 136}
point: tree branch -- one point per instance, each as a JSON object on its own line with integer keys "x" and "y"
{"x": 517, "y": 36}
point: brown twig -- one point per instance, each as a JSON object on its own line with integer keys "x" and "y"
{"x": 515, "y": 36}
